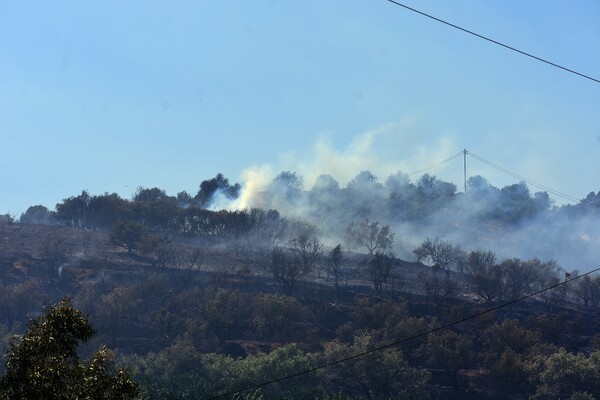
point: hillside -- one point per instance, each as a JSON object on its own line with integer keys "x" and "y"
{"x": 222, "y": 298}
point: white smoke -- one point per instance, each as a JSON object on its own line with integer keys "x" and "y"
{"x": 405, "y": 147}
{"x": 384, "y": 150}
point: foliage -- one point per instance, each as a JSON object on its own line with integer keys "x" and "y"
{"x": 509, "y": 375}
{"x": 562, "y": 375}
{"x": 276, "y": 316}
{"x": 439, "y": 254}
{"x": 174, "y": 314}
{"x": 128, "y": 234}
{"x": 507, "y": 334}
{"x": 74, "y": 211}
{"x": 181, "y": 372}
{"x": 224, "y": 311}
{"x": 154, "y": 194}
{"x": 44, "y": 363}
{"x": 449, "y": 351}
{"x": 17, "y": 299}
{"x": 208, "y": 189}
{"x": 483, "y": 276}
{"x": 35, "y": 215}
{"x": 378, "y": 374}
{"x": 368, "y": 234}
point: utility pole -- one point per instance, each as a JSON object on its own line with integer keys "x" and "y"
{"x": 465, "y": 167}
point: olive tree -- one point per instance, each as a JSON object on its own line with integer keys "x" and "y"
{"x": 128, "y": 234}
{"x": 370, "y": 235}
{"x": 439, "y": 254}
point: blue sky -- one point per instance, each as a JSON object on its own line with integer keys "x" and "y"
{"x": 107, "y": 96}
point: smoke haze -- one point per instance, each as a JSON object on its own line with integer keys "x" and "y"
{"x": 332, "y": 188}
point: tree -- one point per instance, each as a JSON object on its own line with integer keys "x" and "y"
{"x": 306, "y": 252}
{"x": 127, "y": 234}
{"x": 275, "y": 316}
{"x": 439, "y": 286}
{"x": 368, "y": 234}
{"x": 184, "y": 198}
{"x": 44, "y": 364}
{"x": 7, "y": 218}
{"x": 509, "y": 375}
{"x": 285, "y": 187}
{"x": 326, "y": 183}
{"x": 449, "y": 351}
{"x": 364, "y": 181}
{"x": 483, "y": 276}
{"x": 74, "y": 211}
{"x": 35, "y": 215}
{"x": 154, "y": 194}
{"x": 287, "y": 181}
{"x": 520, "y": 277}
{"x": 507, "y": 334}
{"x": 377, "y": 375}
{"x": 564, "y": 375}
{"x": 208, "y": 188}
{"x": 432, "y": 188}
{"x": 224, "y": 311}
{"x": 379, "y": 270}
{"x": 585, "y": 288}
{"x": 17, "y": 300}
{"x": 285, "y": 269}
{"x": 335, "y": 265}
{"x": 117, "y": 309}
{"x": 181, "y": 372}
{"x": 105, "y": 210}
{"x": 439, "y": 254}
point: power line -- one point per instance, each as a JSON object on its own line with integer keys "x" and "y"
{"x": 401, "y": 341}
{"x": 437, "y": 165}
{"x": 514, "y": 175}
{"x": 494, "y": 41}
{"x": 503, "y": 170}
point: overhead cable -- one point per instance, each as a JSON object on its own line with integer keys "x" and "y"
{"x": 437, "y": 165}
{"x": 404, "y": 340}
{"x": 494, "y": 41}
{"x": 529, "y": 181}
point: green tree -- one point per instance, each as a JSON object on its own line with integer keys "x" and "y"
{"x": 208, "y": 188}
{"x": 44, "y": 363}
{"x": 509, "y": 375}
{"x": 377, "y": 375}
{"x": 449, "y": 351}
{"x": 74, "y": 211}
{"x": 224, "y": 311}
{"x": 507, "y": 334}
{"x": 276, "y": 316}
{"x": 154, "y": 194}
{"x": 128, "y": 234}
{"x": 564, "y": 375}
